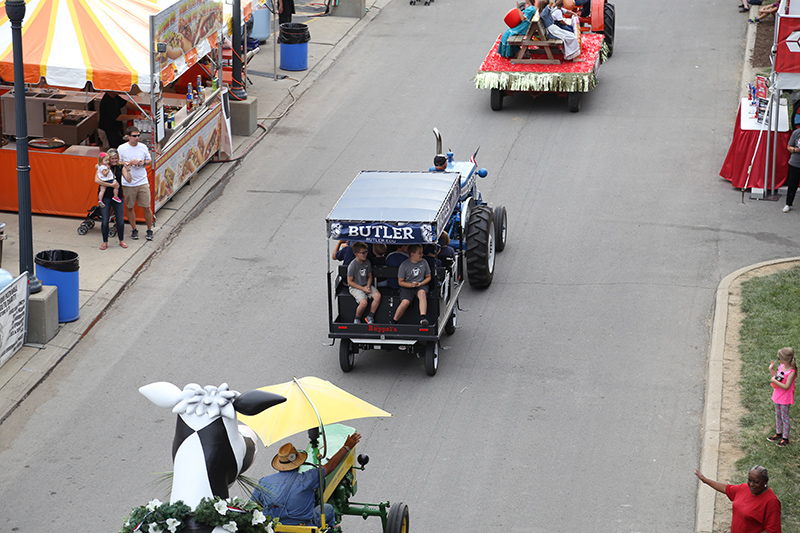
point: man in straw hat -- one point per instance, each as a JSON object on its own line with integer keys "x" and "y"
{"x": 289, "y": 494}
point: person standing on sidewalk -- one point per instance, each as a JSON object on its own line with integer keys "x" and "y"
{"x": 783, "y": 395}
{"x": 116, "y": 170}
{"x": 285, "y": 11}
{"x": 793, "y": 177}
{"x": 755, "y": 507}
{"x": 135, "y": 187}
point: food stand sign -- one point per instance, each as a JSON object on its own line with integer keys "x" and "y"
{"x": 183, "y": 159}
{"x": 13, "y": 317}
{"x": 189, "y": 30}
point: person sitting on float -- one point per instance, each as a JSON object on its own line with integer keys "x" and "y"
{"x": 550, "y": 12}
{"x": 525, "y": 17}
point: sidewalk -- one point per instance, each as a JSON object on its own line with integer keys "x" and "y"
{"x": 105, "y": 274}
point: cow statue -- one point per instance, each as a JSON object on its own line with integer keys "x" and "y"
{"x": 210, "y": 448}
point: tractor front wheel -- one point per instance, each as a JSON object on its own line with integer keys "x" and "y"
{"x": 480, "y": 247}
{"x": 397, "y": 522}
{"x": 500, "y": 227}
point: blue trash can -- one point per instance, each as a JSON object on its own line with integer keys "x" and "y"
{"x": 294, "y": 46}
{"x": 59, "y": 268}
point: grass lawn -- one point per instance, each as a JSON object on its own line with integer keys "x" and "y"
{"x": 771, "y": 307}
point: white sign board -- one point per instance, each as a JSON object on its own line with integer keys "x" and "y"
{"x": 13, "y": 317}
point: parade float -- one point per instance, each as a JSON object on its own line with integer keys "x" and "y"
{"x": 212, "y": 448}
{"x": 539, "y": 66}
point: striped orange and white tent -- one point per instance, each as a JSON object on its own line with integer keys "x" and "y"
{"x": 68, "y": 43}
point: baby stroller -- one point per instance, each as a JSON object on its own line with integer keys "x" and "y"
{"x": 95, "y": 213}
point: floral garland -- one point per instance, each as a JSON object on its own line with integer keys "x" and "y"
{"x": 232, "y": 514}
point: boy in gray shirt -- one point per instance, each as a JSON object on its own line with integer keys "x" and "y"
{"x": 413, "y": 276}
{"x": 359, "y": 281}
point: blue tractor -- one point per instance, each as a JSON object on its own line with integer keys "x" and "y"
{"x": 402, "y": 208}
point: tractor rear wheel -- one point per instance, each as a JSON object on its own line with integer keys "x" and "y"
{"x": 480, "y": 247}
{"x": 346, "y": 356}
{"x": 397, "y": 522}
{"x": 500, "y": 227}
{"x": 496, "y": 100}
{"x": 609, "y": 19}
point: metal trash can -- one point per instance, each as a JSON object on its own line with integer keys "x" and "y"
{"x": 294, "y": 39}
{"x": 59, "y": 268}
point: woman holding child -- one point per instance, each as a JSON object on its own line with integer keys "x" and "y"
{"x": 115, "y": 168}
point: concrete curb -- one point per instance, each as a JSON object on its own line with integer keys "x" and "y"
{"x": 748, "y": 72}
{"x": 712, "y": 411}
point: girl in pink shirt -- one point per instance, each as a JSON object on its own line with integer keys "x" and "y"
{"x": 783, "y": 395}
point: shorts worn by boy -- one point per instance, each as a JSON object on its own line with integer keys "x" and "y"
{"x": 360, "y": 272}
{"x": 411, "y": 272}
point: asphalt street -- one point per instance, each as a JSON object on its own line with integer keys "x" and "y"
{"x": 570, "y": 399}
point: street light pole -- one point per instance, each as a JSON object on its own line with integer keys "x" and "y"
{"x": 15, "y": 9}
{"x": 238, "y": 89}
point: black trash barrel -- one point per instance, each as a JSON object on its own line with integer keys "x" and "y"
{"x": 59, "y": 268}
{"x": 294, "y": 39}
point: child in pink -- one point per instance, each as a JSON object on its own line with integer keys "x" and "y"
{"x": 783, "y": 395}
{"x": 105, "y": 175}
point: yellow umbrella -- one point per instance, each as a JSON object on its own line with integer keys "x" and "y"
{"x": 310, "y": 403}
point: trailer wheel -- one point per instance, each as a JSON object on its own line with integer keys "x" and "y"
{"x": 574, "y": 102}
{"x": 432, "y": 358}
{"x": 500, "y": 227}
{"x": 346, "y": 356}
{"x": 397, "y": 522}
{"x": 496, "y": 100}
{"x": 609, "y": 20}
{"x": 450, "y": 325}
{"x": 480, "y": 247}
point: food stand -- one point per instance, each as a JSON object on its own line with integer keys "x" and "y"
{"x": 148, "y": 51}
{"x": 785, "y": 57}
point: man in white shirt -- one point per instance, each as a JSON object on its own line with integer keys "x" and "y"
{"x": 135, "y": 187}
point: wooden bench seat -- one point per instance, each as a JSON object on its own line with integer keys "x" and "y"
{"x": 535, "y": 47}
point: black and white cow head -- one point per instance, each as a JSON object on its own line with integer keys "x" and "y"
{"x": 210, "y": 448}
